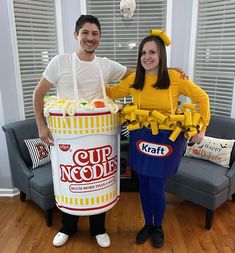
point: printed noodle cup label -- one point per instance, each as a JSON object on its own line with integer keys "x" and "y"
{"x": 84, "y": 158}
{"x": 86, "y": 177}
{"x": 64, "y": 147}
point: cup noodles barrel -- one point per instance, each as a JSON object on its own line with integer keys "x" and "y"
{"x": 85, "y": 160}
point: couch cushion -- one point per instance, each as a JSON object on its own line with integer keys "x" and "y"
{"x": 202, "y": 175}
{"x": 215, "y": 150}
{"x": 42, "y": 180}
{"x": 222, "y": 127}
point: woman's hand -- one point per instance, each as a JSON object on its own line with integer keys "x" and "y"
{"x": 197, "y": 138}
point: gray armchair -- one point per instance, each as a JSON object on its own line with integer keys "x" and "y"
{"x": 36, "y": 184}
{"x": 203, "y": 182}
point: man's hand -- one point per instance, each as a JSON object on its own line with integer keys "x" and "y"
{"x": 45, "y": 135}
{"x": 197, "y": 138}
{"x": 183, "y": 75}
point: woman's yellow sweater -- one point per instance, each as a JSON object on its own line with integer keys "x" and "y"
{"x": 159, "y": 99}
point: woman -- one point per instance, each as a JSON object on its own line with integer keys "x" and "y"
{"x": 153, "y": 86}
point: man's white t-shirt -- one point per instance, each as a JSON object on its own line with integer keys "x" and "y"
{"x": 59, "y": 73}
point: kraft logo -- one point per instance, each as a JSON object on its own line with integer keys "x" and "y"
{"x": 153, "y": 149}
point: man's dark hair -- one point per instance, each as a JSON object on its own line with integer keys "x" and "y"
{"x": 87, "y": 19}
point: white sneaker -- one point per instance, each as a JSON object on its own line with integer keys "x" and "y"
{"x": 103, "y": 240}
{"x": 60, "y": 239}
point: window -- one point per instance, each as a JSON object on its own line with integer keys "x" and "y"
{"x": 215, "y": 53}
{"x": 35, "y": 24}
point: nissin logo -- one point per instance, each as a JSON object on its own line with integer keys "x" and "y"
{"x": 154, "y": 149}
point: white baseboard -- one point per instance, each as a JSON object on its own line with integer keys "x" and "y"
{"x": 9, "y": 192}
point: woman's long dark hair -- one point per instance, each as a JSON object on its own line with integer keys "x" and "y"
{"x": 163, "y": 81}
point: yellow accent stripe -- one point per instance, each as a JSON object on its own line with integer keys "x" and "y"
{"x": 84, "y": 124}
{"x": 92, "y": 201}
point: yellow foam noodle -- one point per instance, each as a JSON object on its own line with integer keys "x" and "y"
{"x": 180, "y": 118}
{"x": 133, "y": 117}
{"x": 135, "y": 126}
{"x": 188, "y": 118}
{"x": 146, "y": 124}
{"x": 180, "y": 124}
{"x": 183, "y": 110}
{"x": 199, "y": 126}
{"x": 190, "y": 106}
{"x": 128, "y": 116}
{"x": 169, "y": 123}
{"x": 159, "y": 116}
{"x": 129, "y": 108}
{"x": 154, "y": 127}
{"x": 175, "y": 134}
{"x": 150, "y": 118}
{"x": 142, "y": 112}
{"x": 165, "y": 127}
{"x": 191, "y": 133}
{"x": 162, "y": 35}
{"x": 178, "y": 111}
{"x": 143, "y": 118}
{"x": 196, "y": 118}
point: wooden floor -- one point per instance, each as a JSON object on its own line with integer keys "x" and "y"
{"x": 23, "y": 229}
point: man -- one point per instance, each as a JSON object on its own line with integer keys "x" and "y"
{"x": 59, "y": 73}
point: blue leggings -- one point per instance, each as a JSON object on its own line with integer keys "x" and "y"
{"x": 153, "y": 199}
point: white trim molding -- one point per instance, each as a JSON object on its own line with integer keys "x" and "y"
{"x": 233, "y": 102}
{"x": 15, "y": 55}
{"x": 59, "y": 27}
{"x": 169, "y": 28}
{"x": 9, "y": 192}
{"x": 83, "y": 7}
{"x": 191, "y": 62}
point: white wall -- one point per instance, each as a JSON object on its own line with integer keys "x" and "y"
{"x": 5, "y": 174}
{"x": 181, "y": 33}
{"x": 70, "y": 13}
{"x": 8, "y": 96}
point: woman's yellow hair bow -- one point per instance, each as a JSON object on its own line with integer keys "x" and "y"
{"x": 162, "y": 35}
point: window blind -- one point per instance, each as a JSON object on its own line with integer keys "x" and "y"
{"x": 215, "y": 53}
{"x": 120, "y": 38}
{"x": 35, "y": 23}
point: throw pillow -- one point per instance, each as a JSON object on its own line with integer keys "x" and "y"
{"x": 124, "y": 133}
{"x": 212, "y": 149}
{"x": 39, "y": 152}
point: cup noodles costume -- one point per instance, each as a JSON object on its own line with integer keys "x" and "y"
{"x": 85, "y": 155}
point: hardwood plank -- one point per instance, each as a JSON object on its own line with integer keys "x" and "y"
{"x": 23, "y": 228}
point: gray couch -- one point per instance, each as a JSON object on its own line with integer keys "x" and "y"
{"x": 203, "y": 182}
{"x": 36, "y": 184}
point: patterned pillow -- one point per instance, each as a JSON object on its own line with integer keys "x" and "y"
{"x": 212, "y": 149}
{"x": 39, "y": 152}
{"x": 124, "y": 133}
